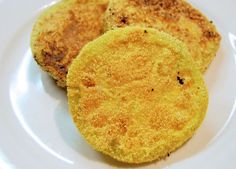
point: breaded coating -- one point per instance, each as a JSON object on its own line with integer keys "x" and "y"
{"x": 62, "y": 30}
{"x": 176, "y": 17}
{"x": 135, "y": 94}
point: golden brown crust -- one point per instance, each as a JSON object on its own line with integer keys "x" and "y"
{"x": 61, "y": 32}
{"x": 175, "y": 17}
{"x": 135, "y": 94}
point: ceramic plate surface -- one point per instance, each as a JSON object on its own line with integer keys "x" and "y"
{"x": 36, "y": 131}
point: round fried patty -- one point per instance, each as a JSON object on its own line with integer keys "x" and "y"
{"x": 176, "y": 17}
{"x": 62, "y": 30}
{"x": 135, "y": 94}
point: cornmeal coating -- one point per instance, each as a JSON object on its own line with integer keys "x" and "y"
{"x": 176, "y": 17}
{"x": 62, "y": 30}
{"x": 135, "y": 94}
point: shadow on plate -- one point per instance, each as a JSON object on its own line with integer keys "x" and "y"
{"x": 51, "y": 88}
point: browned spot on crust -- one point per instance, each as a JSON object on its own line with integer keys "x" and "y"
{"x": 88, "y": 82}
{"x": 185, "y": 76}
{"x": 124, "y": 20}
{"x": 71, "y": 27}
{"x": 119, "y": 125}
{"x": 210, "y": 34}
{"x": 99, "y": 121}
{"x": 180, "y": 80}
{"x": 91, "y": 104}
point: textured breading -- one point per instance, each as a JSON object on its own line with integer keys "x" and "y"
{"x": 135, "y": 94}
{"x": 62, "y": 30}
{"x": 176, "y": 17}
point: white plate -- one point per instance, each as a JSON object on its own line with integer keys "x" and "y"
{"x": 36, "y": 131}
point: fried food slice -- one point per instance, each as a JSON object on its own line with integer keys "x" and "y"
{"x": 135, "y": 94}
{"x": 62, "y": 30}
{"x": 176, "y": 17}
